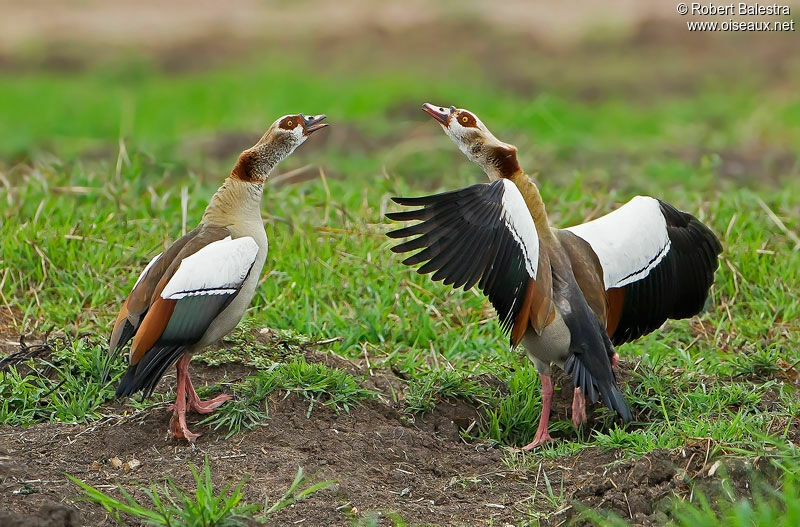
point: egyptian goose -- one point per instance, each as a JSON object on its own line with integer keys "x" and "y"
{"x": 197, "y": 290}
{"x": 568, "y": 295}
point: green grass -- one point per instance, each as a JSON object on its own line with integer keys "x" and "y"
{"x": 66, "y": 386}
{"x": 426, "y": 390}
{"x": 173, "y": 506}
{"x": 314, "y": 382}
{"x": 94, "y": 165}
{"x": 243, "y": 347}
{"x": 769, "y": 508}
{"x": 330, "y": 275}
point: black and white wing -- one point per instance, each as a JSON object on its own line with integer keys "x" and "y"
{"x": 202, "y": 286}
{"x": 658, "y": 263}
{"x": 481, "y": 235}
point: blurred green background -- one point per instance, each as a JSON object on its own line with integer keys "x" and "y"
{"x": 111, "y": 112}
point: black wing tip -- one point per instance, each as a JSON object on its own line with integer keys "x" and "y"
{"x": 145, "y": 375}
{"x": 706, "y": 234}
{"x": 127, "y": 385}
{"x": 678, "y": 218}
{"x": 128, "y": 331}
{"x": 680, "y": 283}
{"x": 400, "y": 200}
{"x": 394, "y": 216}
{"x": 619, "y": 404}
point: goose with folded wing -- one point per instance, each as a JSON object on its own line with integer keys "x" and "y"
{"x": 197, "y": 290}
{"x": 567, "y": 295}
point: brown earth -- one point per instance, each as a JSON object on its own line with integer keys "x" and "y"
{"x": 381, "y": 460}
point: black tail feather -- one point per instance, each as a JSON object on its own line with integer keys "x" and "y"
{"x": 144, "y": 375}
{"x": 128, "y": 330}
{"x": 608, "y": 392}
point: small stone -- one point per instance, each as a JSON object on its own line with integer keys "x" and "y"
{"x": 133, "y": 464}
{"x": 115, "y": 462}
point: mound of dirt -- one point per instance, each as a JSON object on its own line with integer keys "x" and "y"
{"x": 381, "y": 460}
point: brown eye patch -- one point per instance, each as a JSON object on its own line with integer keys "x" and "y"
{"x": 289, "y": 122}
{"x": 467, "y": 120}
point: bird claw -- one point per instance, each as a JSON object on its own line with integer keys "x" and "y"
{"x": 179, "y": 430}
{"x": 538, "y": 441}
{"x": 204, "y": 407}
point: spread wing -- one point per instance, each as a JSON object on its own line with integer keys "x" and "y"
{"x": 481, "y": 235}
{"x": 658, "y": 263}
{"x": 201, "y": 287}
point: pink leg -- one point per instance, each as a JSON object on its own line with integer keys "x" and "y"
{"x": 177, "y": 425}
{"x": 578, "y": 408}
{"x": 193, "y": 401}
{"x": 542, "y": 436}
{"x": 615, "y": 360}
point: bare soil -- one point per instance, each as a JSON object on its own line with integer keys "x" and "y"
{"x": 382, "y": 462}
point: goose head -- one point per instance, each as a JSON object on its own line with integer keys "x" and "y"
{"x": 281, "y": 139}
{"x": 290, "y": 131}
{"x": 496, "y": 158}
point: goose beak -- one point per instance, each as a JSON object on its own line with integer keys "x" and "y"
{"x": 312, "y": 123}
{"x": 440, "y": 113}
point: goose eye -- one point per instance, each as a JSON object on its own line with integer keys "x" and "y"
{"x": 465, "y": 119}
{"x": 290, "y": 124}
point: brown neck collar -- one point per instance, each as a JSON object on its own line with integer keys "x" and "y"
{"x": 247, "y": 168}
{"x": 504, "y": 162}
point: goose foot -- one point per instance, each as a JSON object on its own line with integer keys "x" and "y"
{"x": 539, "y": 440}
{"x": 186, "y": 398}
{"x": 178, "y": 428}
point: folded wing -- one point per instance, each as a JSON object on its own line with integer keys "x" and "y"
{"x": 202, "y": 286}
{"x": 481, "y": 235}
{"x": 153, "y": 279}
{"x": 658, "y": 263}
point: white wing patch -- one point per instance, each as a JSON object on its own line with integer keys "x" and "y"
{"x": 520, "y": 224}
{"x": 630, "y": 242}
{"x": 218, "y": 268}
{"x": 153, "y": 261}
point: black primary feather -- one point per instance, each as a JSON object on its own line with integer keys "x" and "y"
{"x": 464, "y": 240}
{"x": 128, "y": 331}
{"x": 144, "y": 375}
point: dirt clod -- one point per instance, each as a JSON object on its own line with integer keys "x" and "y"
{"x": 50, "y": 515}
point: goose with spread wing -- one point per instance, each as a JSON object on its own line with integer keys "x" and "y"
{"x": 198, "y": 289}
{"x": 567, "y": 295}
